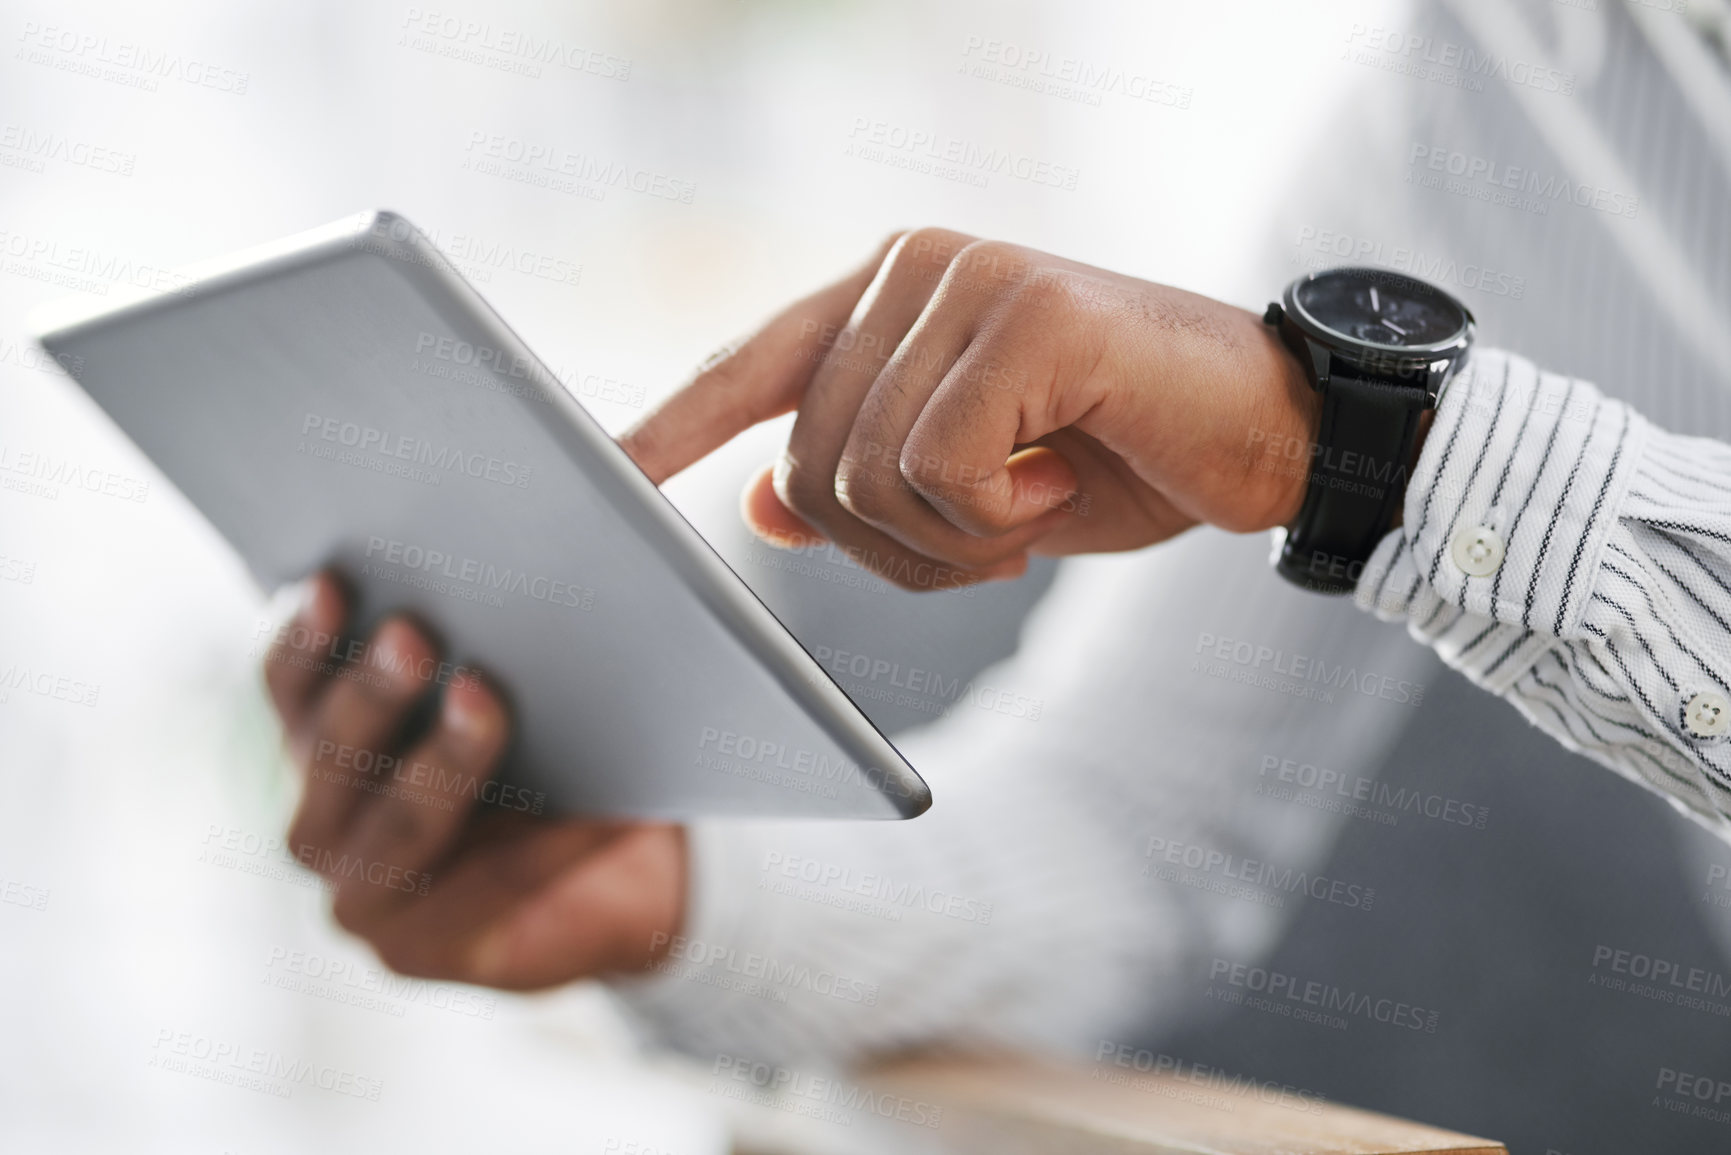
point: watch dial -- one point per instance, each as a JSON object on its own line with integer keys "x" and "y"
{"x": 1381, "y": 308}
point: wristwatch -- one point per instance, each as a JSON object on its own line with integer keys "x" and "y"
{"x": 1380, "y": 347}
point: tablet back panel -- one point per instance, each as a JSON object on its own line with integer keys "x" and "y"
{"x": 345, "y": 398}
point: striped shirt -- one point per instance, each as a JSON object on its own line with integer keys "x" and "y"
{"x": 1610, "y": 611}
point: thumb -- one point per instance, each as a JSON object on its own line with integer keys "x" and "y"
{"x": 739, "y": 387}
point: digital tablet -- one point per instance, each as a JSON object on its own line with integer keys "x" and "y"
{"x": 344, "y": 398}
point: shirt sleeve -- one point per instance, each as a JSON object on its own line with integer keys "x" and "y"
{"x": 1089, "y": 859}
{"x": 1567, "y": 555}
{"x": 822, "y": 941}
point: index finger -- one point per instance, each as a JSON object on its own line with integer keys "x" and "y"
{"x": 762, "y": 378}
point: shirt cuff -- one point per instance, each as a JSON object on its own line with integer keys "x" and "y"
{"x": 1507, "y": 513}
{"x": 723, "y": 907}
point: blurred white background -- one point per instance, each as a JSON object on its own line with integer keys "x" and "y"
{"x": 144, "y": 909}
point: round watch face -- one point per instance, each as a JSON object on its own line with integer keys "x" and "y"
{"x": 1381, "y": 308}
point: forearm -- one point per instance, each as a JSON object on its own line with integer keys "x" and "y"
{"x": 827, "y": 941}
{"x": 1064, "y": 825}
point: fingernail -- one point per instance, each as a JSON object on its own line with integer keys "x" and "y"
{"x": 318, "y": 598}
{"x": 466, "y": 709}
{"x": 387, "y": 644}
{"x": 391, "y": 654}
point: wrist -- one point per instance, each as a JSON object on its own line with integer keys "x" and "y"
{"x": 1284, "y": 445}
{"x": 1289, "y": 449}
{"x": 1382, "y": 346}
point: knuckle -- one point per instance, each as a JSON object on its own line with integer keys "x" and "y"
{"x": 929, "y": 473}
{"x": 863, "y": 501}
{"x": 1046, "y": 293}
{"x": 865, "y": 491}
{"x": 929, "y": 247}
{"x": 991, "y": 265}
{"x": 888, "y": 248}
{"x": 805, "y": 491}
{"x": 967, "y": 497}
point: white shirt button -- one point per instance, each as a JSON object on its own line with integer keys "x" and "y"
{"x": 1706, "y": 715}
{"x": 1477, "y": 549}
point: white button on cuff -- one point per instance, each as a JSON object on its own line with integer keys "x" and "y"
{"x": 1477, "y": 550}
{"x": 1706, "y": 715}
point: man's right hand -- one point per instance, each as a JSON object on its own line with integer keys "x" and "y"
{"x": 441, "y": 884}
{"x": 962, "y": 405}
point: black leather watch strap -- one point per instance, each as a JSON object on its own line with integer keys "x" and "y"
{"x": 1358, "y": 473}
